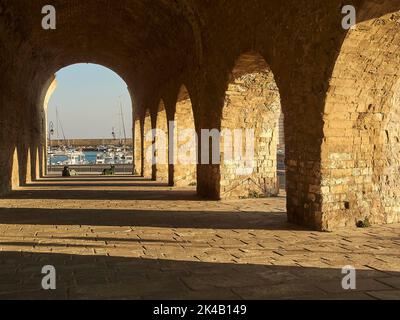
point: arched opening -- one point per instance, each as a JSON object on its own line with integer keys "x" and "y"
{"x": 161, "y": 145}
{"x": 252, "y": 138}
{"x": 88, "y": 111}
{"x": 45, "y": 126}
{"x": 185, "y": 142}
{"x": 360, "y": 155}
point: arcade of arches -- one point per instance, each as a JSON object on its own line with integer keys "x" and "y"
{"x": 242, "y": 65}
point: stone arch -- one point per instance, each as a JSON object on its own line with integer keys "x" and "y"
{"x": 46, "y": 94}
{"x": 184, "y": 149}
{"x": 49, "y": 88}
{"x": 250, "y": 130}
{"x": 360, "y": 164}
{"x": 161, "y": 144}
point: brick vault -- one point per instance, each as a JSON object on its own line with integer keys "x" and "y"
{"x": 218, "y": 65}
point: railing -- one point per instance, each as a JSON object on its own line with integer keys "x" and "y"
{"x": 95, "y": 168}
{"x": 128, "y": 169}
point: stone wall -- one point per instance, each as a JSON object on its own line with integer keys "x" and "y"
{"x": 90, "y": 142}
{"x": 360, "y": 155}
{"x": 249, "y": 169}
{"x": 281, "y": 140}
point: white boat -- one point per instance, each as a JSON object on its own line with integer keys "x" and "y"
{"x": 129, "y": 159}
{"x": 113, "y": 158}
{"x": 68, "y": 158}
{"x": 77, "y": 158}
{"x": 100, "y": 159}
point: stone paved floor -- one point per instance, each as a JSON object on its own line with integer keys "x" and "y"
{"x": 152, "y": 242}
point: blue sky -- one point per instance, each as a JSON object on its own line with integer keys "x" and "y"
{"x": 87, "y": 98}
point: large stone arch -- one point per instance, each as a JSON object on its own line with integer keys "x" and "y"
{"x": 46, "y": 93}
{"x": 360, "y": 163}
{"x": 44, "y": 98}
{"x": 250, "y": 130}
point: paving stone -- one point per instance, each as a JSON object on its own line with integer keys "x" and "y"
{"x": 386, "y": 295}
{"x": 210, "y": 250}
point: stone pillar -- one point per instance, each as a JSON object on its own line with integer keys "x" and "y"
{"x": 147, "y": 148}
{"x": 209, "y": 175}
{"x": 161, "y": 146}
{"x": 185, "y": 144}
{"x": 15, "y": 171}
{"x": 137, "y": 140}
{"x": 29, "y": 167}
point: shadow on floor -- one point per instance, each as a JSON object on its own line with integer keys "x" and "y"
{"x": 93, "y": 194}
{"x": 101, "y": 188}
{"x": 92, "y": 178}
{"x": 97, "y": 183}
{"x": 151, "y": 218}
{"x": 102, "y": 277}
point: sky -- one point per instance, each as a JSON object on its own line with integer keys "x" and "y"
{"x": 88, "y": 101}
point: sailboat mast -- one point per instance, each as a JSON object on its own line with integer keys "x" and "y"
{"x": 62, "y": 128}
{"x": 123, "y": 121}
{"x": 58, "y": 131}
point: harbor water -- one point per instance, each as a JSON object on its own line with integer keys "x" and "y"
{"x": 90, "y": 157}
